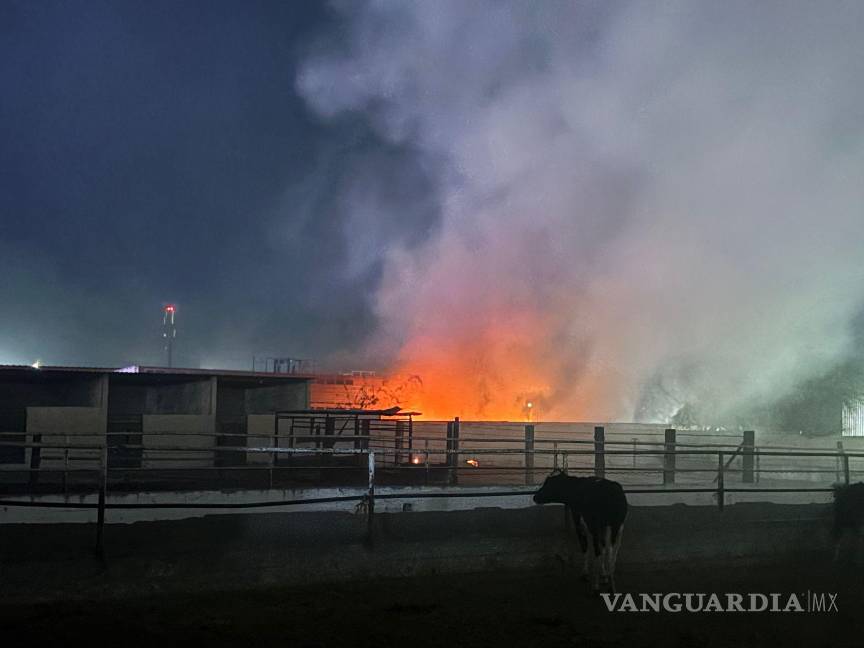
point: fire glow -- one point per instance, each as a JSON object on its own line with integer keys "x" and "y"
{"x": 617, "y": 238}
{"x": 477, "y": 374}
{"x": 504, "y": 371}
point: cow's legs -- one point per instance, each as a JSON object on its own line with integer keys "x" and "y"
{"x": 583, "y": 540}
{"x": 586, "y": 565}
{"x": 598, "y": 558}
{"x": 613, "y": 557}
{"x": 616, "y": 547}
{"x": 607, "y": 553}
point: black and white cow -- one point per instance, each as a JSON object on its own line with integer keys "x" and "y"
{"x": 848, "y": 512}
{"x": 602, "y": 506}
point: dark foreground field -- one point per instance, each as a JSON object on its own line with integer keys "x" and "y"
{"x": 502, "y": 609}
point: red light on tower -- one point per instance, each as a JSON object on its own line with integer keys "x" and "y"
{"x": 169, "y": 332}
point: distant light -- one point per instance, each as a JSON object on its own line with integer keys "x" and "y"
{"x": 415, "y": 460}
{"x": 169, "y": 308}
{"x": 473, "y": 462}
{"x": 530, "y": 404}
{"x": 37, "y": 364}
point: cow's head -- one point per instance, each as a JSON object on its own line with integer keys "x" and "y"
{"x": 554, "y": 489}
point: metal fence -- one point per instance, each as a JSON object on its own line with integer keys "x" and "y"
{"x": 438, "y": 453}
{"x": 513, "y": 457}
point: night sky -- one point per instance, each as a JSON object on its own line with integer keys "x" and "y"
{"x": 614, "y": 210}
{"x": 155, "y": 152}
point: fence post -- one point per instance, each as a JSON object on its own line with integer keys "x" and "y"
{"x": 554, "y": 455}
{"x": 599, "y": 449}
{"x": 399, "y": 443}
{"x": 839, "y": 463}
{"x": 35, "y": 459}
{"x": 453, "y": 447}
{"x": 748, "y": 444}
{"x": 721, "y": 486}
{"x": 65, "y": 465}
{"x": 274, "y": 457}
{"x": 103, "y": 487}
{"x": 370, "y": 500}
{"x": 846, "y": 468}
{"x": 272, "y": 463}
{"x": 410, "y": 437}
{"x": 448, "y": 458}
{"x": 365, "y": 433}
{"x": 669, "y": 457}
{"x": 529, "y": 455}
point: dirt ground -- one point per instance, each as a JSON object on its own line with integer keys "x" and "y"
{"x": 499, "y": 609}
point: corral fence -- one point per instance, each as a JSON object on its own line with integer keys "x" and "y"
{"x": 513, "y": 457}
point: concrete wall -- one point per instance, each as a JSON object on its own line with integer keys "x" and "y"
{"x": 39, "y": 391}
{"x": 178, "y": 430}
{"x": 231, "y": 551}
{"x": 180, "y": 398}
{"x": 60, "y": 425}
{"x": 259, "y": 427}
{"x": 274, "y": 398}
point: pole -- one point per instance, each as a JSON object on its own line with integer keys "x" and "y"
{"x": 669, "y": 457}
{"x": 399, "y": 443}
{"x": 66, "y": 465}
{"x": 370, "y": 500}
{"x": 454, "y": 450}
{"x": 529, "y": 455}
{"x": 103, "y": 487}
{"x": 748, "y": 443}
{"x": 839, "y": 461}
{"x": 721, "y": 486}
{"x": 599, "y": 448}
{"x": 365, "y": 427}
{"x": 448, "y": 458}
{"x": 410, "y": 436}
{"x": 846, "y": 468}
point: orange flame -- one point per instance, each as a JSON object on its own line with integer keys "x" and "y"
{"x": 493, "y": 374}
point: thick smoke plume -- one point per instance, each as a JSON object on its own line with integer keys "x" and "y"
{"x": 642, "y": 204}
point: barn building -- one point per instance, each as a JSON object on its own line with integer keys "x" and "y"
{"x": 186, "y": 407}
{"x": 171, "y": 423}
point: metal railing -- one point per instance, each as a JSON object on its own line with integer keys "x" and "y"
{"x": 537, "y": 455}
{"x": 186, "y": 456}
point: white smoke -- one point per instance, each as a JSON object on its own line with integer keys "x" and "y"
{"x": 629, "y": 191}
